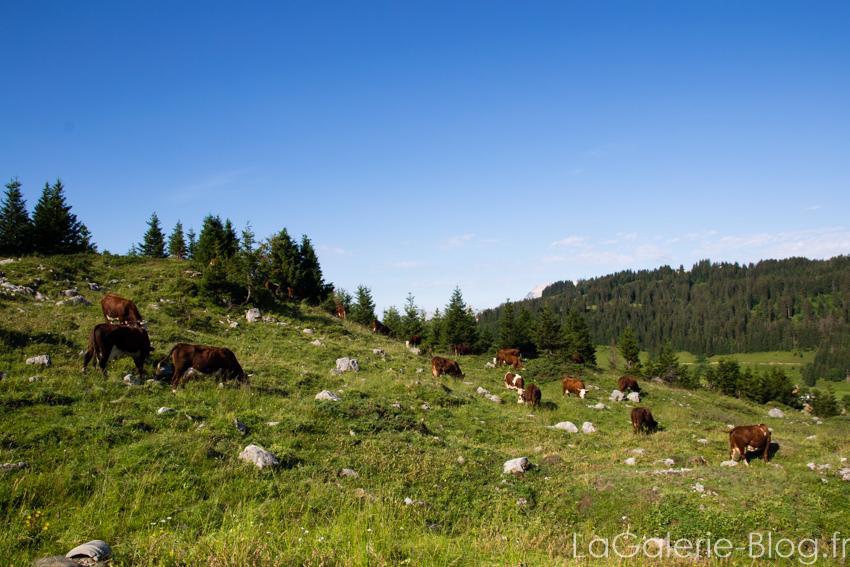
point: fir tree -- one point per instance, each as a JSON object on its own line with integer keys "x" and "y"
{"x": 413, "y": 320}
{"x": 577, "y": 338}
{"x": 363, "y": 311}
{"x": 15, "y": 224}
{"x": 523, "y": 330}
{"x": 153, "y": 243}
{"x": 392, "y": 319}
{"x": 459, "y": 326}
{"x": 547, "y": 332}
{"x": 823, "y": 403}
{"x": 629, "y": 348}
{"x": 56, "y": 229}
{"x": 507, "y": 332}
{"x": 177, "y": 242}
{"x": 212, "y": 241}
{"x": 312, "y": 286}
{"x": 191, "y": 243}
{"x": 284, "y": 262}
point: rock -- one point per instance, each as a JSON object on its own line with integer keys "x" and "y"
{"x": 811, "y": 437}
{"x": 71, "y": 292}
{"x": 41, "y": 297}
{"x": 698, "y": 461}
{"x": 54, "y": 561}
{"x": 597, "y": 406}
{"x": 425, "y": 406}
{"x": 349, "y": 472}
{"x": 317, "y": 342}
{"x": 345, "y": 364}
{"x": 631, "y": 461}
{"x": 521, "y": 502}
{"x": 76, "y": 300}
{"x": 461, "y": 460}
{"x": 234, "y": 324}
{"x": 379, "y": 351}
{"x": 4, "y": 375}
{"x": 327, "y": 395}
{"x": 165, "y": 410}
{"x": 259, "y": 456}
{"x": 482, "y": 391}
{"x": 13, "y": 466}
{"x": 494, "y": 399}
{"x": 843, "y": 474}
{"x": 633, "y": 397}
{"x": 566, "y": 426}
{"x": 43, "y": 359}
{"x": 308, "y": 331}
{"x": 639, "y": 451}
{"x": 702, "y": 441}
{"x": 616, "y": 396}
{"x": 266, "y": 319}
{"x": 518, "y": 465}
{"x": 35, "y": 378}
{"x": 132, "y": 380}
{"x": 419, "y": 370}
{"x": 699, "y": 488}
{"x": 272, "y": 423}
{"x": 489, "y": 365}
{"x": 336, "y": 372}
{"x": 241, "y": 426}
{"x": 776, "y": 412}
{"x": 96, "y": 549}
{"x": 668, "y": 462}
{"x": 587, "y": 427}
{"x": 253, "y": 315}
{"x": 729, "y": 464}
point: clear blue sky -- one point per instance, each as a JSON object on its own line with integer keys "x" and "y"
{"x": 421, "y": 146}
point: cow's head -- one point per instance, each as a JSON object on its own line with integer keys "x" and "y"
{"x": 581, "y": 393}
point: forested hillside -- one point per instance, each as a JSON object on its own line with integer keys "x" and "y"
{"x": 714, "y": 308}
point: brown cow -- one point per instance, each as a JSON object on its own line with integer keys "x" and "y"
{"x": 272, "y": 287}
{"x": 573, "y": 386}
{"x": 339, "y": 311}
{"x": 628, "y": 382}
{"x": 511, "y": 351}
{"x": 531, "y": 395}
{"x": 642, "y": 418}
{"x": 203, "y": 359}
{"x": 461, "y": 349}
{"x": 380, "y": 328}
{"x": 440, "y": 366}
{"x": 509, "y": 359}
{"x": 577, "y": 359}
{"x": 513, "y": 382}
{"x": 415, "y": 340}
{"x": 108, "y": 342}
{"x": 745, "y": 437}
{"x": 123, "y": 310}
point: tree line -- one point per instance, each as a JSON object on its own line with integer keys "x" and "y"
{"x": 716, "y": 309}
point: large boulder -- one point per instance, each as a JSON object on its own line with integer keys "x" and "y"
{"x": 345, "y": 364}
{"x": 776, "y": 412}
{"x": 633, "y": 397}
{"x": 253, "y": 315}
{"x": 328, "y": 395}
{"x": 42, "y": 359}
{"x": 97, "y": 549}
{"x": 616, "y": 396}
{"x": 587, "y": 427}
{"x": 519, "y": 465}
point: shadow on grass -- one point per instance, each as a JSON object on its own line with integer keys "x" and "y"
{"x": 17, "y": 339}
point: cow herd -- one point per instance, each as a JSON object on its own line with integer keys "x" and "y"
{"x": 130, "y": 338}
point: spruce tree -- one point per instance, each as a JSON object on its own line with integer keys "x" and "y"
{"x": 507, "y": 332}
{"x": 153, "y": 243}
{"x": 284, "y": 262}
{"x": 363, "y": 311}
{"x": 413, "y": 320}
{"x": 629, "y": 348}
{"x": 459, "y": 325}
{"x": 56, "y": 229}
{"x": 177, "y": 242}
{"x": 577, "y": 338}
{"x": 312, "y": 286}
{"x": 547, "y": 332}
{"x": 523, "y": 329}
{"x": 191, "y": 243}
{"x": 211, "y": 241}
{"x": 392, "y": 319}
{"x": 15, "y": 224}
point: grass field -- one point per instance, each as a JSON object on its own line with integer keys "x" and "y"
{"x": 169, "y": 490}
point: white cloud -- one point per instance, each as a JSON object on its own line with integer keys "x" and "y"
{"x": 570, "y": 241}
{"x": 405, "y": 264}
{"x": 816, "y": 207}
{"x": 334, "y": 250}
{"x": 456, "y": 241}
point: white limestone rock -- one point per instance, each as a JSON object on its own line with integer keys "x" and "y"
{"x": 259, "y": 456}
{"x": 42, "y": 359}
{"x": 346, "y": 364}
{"x": 328, "y": 395}
{"x": 776, "y": 412}
{"x": 567, "y": 426}
{"x": 253, "y": 315}
{"x": 518, "y": 465}
{"x": 587, "y": 427}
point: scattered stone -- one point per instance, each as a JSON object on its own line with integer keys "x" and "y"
{"x": 843, "y": 474}
{"x": 489, "y": 365}
{"x": 272, "y": 423}
{"x": 165, "y": 410}
{"x": 461, "y": 460}
{"x": 587, "y": 427}
{"x": 328, "y": 395}
{"x": 317, "y": 342}
{"x": 132, "y": 380}
{"x": 597, "y": 406}
{"x": 41, "y": 297}
{"x": 346, "y": 364}
{"x": 425, "y": 406}
{"x": 495, "y": 399}
{"x": 633, "y": 397}
{"x": 698, "y": 461}
{"x": 698, "y": 487}
{"x": 241, "y": 426}
{"x": 616, "y": 396}
{"x": 259, "y": 456}
{"x": 54, "y": 561}
{"x": 729, "y": 464}
{"x": 308, "y": 331}
{"x": 71, "y": 292}
{"x": 234, "y": 324}
{"x": 518, "y": 465}
{"x": 43, "y": 359}
{"x": 702, "y": 441}
{"x": 419, "y": 370}
{"x": 12, "y": 466}
{"x": 811, "y": 437}
{"x": 668, "y": 462}
{"x": 349, "y": 472}
{"x": 153, "y": 306}
{"x": 482, "y": 391}
{"x": 566, "y": 426}
{"x": 631, "y": 461}
{"x": 35, "y": 378}
{"x": 396, "y": 405}
{"x": 336, "y": 372}
{"x": 253, "y": 315}
{"x": 96, "y": 549}
{"x": 73, "y": 301}
{"x": 776, "y": 412}
{"x": 379, "y": 351}
{"x": 521, "y": 502}
{"x": 639, "y": 451}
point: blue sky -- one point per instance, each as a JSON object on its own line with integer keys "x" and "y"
{"x": 421, "y": 146}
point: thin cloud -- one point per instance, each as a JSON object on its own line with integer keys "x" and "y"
{"x": 461, "y": 241}
{"x": 212, "y": 184}
{"x": 816, "y": 207}
{"x": 334, "y": 250}
{"x": 405, "y": 264}
{"x": 570, "y": 241}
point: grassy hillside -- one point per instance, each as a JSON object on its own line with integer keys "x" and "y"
{"x": 169, "y": 490}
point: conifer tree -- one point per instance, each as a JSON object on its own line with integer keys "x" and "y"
{"x": 507, "y": 332}
{"x": 177, "y": 242}
{"x": 413, "y": 320}
{"x": 547, "y": 332}
{"x": 629, "y": 348}
{"x": 284, "y": 262}
{"x": 577, "y": 338}
{"x": 523, "y": 329}
{"x": 312, "y": 286}
{"x": 459, "y": 326}
{"x": 363, "y": 311}
{"x": 191, "y": 243}
{"x": 56, "y": 229}
{"x": 392, "y": 319}
{"x": 212, "y": 241}
{"x": 153, "y": 243}
{"x": 15, "y": 224}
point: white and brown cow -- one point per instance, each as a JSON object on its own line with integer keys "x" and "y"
{"x": 514, "y": 382}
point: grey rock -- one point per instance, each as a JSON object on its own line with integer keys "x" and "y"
{"x": 587, "y": 427}
{"x": 482, "y": 391}
{"x": 96, "y": 549}
{"x": 494, "y": 399}
{"x": 347, "y": 364}
{"x": 43, "y": 359}
{"x": 616, "y": 396}
{"x": 317, "y": 342}
{"x": 71, "y": 292}
{"x": 328, "y": 395}
{"x": 425, "y": 406}
{"x": 419, "y": 370}
{"x": 379, "y": 351}
{"x": 633, "y": 397}
{"x": 132, "y": 380}
{"x": 729, "y": 464}
{"x": 35, "y": 378}
{"x": 165, "y": 410}
{"x": 631, "y": 461}
{"x": 776, "y": 412}
{"x": 566, "y": 426}
{"x": 13, "y": 466}
{"x": 308, "y": 331}
{"x": 518, "y": 465}
{"x": 54, "y": 561}
{"x": 253, "y": 315}
{"x": 73, "y": 301}
{"x": 259, "y": 456}
{"x": 349, "y": 472}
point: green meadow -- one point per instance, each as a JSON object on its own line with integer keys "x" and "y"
{"x": 169, "y": 489}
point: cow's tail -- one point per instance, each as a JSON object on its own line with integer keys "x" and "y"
{"x": 167, "y": 356}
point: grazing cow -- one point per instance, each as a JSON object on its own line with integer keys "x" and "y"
{"x": 577, "y": 359}
{"x": 746, "y": 437}
{"x": 108, "y": 342}
{"x": 440, "y": 366}
{"x": 461, "y": 349}
{"x": 272, "y": 287}
{"x": 204, "y": 359}
{"x": 531, "y": 395}
{"x": 511, "y": 351}
{"x": 380, "y": 328}
{"x": 628, "y": 382}
{"x": 513, "y": 382}
{"x": 642, "y": 418}
{"x": 340, "y": 312}
{"x": 509, "y": 359}
{"x": 415, "y": 340}
{"x": 573, "y": 386}
{"x": 123, "y": 310}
